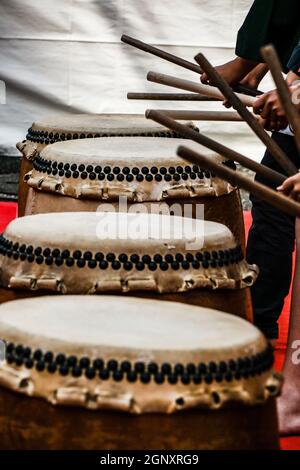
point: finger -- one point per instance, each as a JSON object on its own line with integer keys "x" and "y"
{"x": 227, "y": 104}
{"x": 266, "y": 111}
{"x": 288, "y": 185}
{"x": 204, "y": 79}
{"x": 259, "y": 104}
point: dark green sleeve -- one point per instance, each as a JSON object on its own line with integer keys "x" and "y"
{"x": 294, "y": 62}
{"x": 270, "y": 21}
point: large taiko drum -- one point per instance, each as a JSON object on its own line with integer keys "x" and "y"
{"x": 81, "y": 370}
{"x": 64, "y": 127}
{"x": 92, "y": 171}
{"x": 148, "y": 255}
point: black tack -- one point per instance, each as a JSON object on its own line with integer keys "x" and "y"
{"x": 178, "y": 369}
{"x": 118, "y": 375}
{"x": 112, "y": 365}
{"x": 131, "y": 376}
{"x": 76, "y": 371}
{"x": 98, "y": 364}
{"x": 37, "y": 355}
{"x": 29, "y": 363}
{"x": 40, "y": 365}
{"x": 52, "y": 367}
{"x": 104, "y": 374}
{"x": 139, "y": 367}
{"x": 48, "y": 356}
{"x": 90, "y": 373}
{"x": 64, "y": 370}
{"x": 172, "y": 379}
{"x": 84, "y": 362}
{"x": 19, "y": 360}
{"x": 185, "y": 379}
{"x": 208, "y": 379}
{"x": 125, "y": 366}
{"x": 60, "y": 359}
{"x": 81, "y": 263}
{"x": 72, "y": 361}
{"x": 145, "y": 377}
{"x": 159, "y": 378}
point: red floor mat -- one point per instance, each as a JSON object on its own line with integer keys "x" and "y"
{"x": 8, "y": 211}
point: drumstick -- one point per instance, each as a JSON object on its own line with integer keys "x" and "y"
{"x": 237, "y": 104}
{"x": 235, "y": 178}
{"x": 193, "y": 86}
{"x": 169, "y": 97}
{"x": 179, "y": 61}
{"x": 185, "y": 131}
{"x": 271, "y": 57}
{"x": 201, "y": 115}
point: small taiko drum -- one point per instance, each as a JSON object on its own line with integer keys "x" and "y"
{"x": 150, "y": 255}
{"x": 96, "y": 171}
{"x": 81, "y": 370}
{"x": 64, "y": 127}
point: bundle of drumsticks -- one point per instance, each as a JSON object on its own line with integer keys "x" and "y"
{"x": 241, "y": 98}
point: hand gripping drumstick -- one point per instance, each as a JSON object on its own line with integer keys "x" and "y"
{"x": 189, "y": 133}
{"x": 235, "y": 178}
{"x": 179, "y": 61}
{"x": 169, "y": 97}
{"x": 194, "y": 87}
{"x": 271, "y": 58}
{"x": 202, "y": 115}
{"x": 237, "y": 104}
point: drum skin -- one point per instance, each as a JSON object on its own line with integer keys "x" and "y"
{"x": 223, "y": 286}
{"x": 88, "y": 125}
{"x": 236, "y": 302}
{"x": 174, "y": 377}
{"x": 32, "y": 424}
{"x": 226, "y": 210}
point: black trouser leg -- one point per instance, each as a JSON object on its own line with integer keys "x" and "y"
{"x": 270, "y": 245}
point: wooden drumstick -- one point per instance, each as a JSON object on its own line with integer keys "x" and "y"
{"x": 169, "y": 97}
{"x": 235, "y": 178}
{"x": 202, "y": 115}
{"x": 239, "y": 106}
{"x": 271, "y": 57}
{"x": 195, "y": 87}
{"x": 187, "y": 132}
{"x": 179, "y": 61}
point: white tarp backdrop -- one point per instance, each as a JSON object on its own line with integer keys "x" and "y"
{"x": 66, "y": 56}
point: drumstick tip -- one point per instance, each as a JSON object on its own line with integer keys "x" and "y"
{"x": 150, "y": 76}
{"x": 199, "y": 57}
{"x": 181, "y": 150}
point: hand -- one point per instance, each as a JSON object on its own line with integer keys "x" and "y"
{"x": 252, "y": 80}
{"x": 291, "y": 187}
{"x": 233, "y": 71}
{"x": 271, "y": 112}
{"x": 256, "y": 75}
{"x": 291, "y": 78}
{"x": 269, "y": 107}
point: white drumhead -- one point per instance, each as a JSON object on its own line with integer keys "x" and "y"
{"x": 131, "y": 327}
{"x": 123, "y": 151}
{"x": 97, "y": 252}
{"x": 119, "y": 231}
{"x": 98, "y": 123}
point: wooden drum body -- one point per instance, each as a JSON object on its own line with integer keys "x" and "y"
{"x": 80, "y": 370}
{"x": 79, "y": 126}
{"x": 149, "y": 255}
{"x": 84, "y": 175}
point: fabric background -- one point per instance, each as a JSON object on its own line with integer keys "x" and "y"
{"x": 66, "y": 56}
